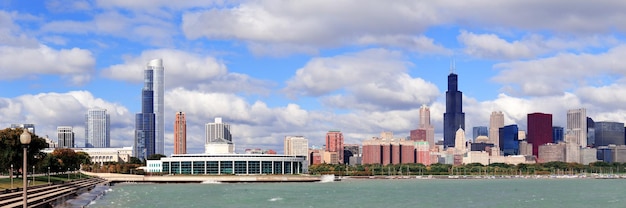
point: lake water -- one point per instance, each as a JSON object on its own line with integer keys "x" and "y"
{"x": 376, "y": 193}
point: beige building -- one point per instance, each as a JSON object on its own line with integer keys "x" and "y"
{"x": 496, "y": 121}
{"x": 101, "y": 155}
{"x": 577, "y": 125}
{"x": 296, "y": 145}
{"x": 550, "y": 152}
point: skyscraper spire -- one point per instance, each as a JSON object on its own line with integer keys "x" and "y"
{"x": 452, "y": 67}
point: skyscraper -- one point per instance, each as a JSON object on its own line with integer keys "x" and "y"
{"x": 65, "y": 136}
{"x": 496, "y": 121}
{"x": 334, "y": 143}
{"x": 609, "y": 133}
{"x": 479, "y": 131}
{"x": 453, "y": 118}
{"x": 577, "y": 125}
{"x": 558, "y": 134}
{"x": 218, "y": 138}
{"x": 509, "y": 140}
{"x": 97, "y": 128}
{"x": 180, "y": 134}
{"x": 424, "y": 124}
{"x": 29, "y": 127}
{"x": 156, "y": 65}
{"x": 145, "y": 121}
{"x": 539, "y": 130}
{"x": 459, "y": 141}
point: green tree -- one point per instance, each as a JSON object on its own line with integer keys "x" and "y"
{"x": 134, "y": 160}
{"x": 11, "y": 150}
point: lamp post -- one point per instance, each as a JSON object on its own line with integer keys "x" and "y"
{"x": 68, "y": 174}
{"x": 33, "y": 175}
{"x": 25, "y": 140}
{"x": 11, "y": 175}
{"x": 48, "y": 175}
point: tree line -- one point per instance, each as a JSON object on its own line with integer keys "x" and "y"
{"x": 559, "y": 168}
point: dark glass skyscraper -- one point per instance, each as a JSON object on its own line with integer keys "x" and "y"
{"x": 609, "y": 133}
{"x": 145, "y": 121}
{"x": 509, "y": 142}
{"x": 480, "y": 131}
{"x": 557, "y": 134}
{"x": 453, "y": 118}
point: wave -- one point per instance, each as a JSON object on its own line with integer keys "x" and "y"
{"x": 211, "y": 182}
{"x": 327, "y": 178}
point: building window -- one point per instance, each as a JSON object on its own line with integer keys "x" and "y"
{"x": 254, "y": 167}
{"x": 266, "y": 167}
{"x": 185, "y": 167}
{"x": 240, "y": 167}
{"x": 226, "y": 167}
{"x": 212, "y": 167}
{"x": 198, "y": 167}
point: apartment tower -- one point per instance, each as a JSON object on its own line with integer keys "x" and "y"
{"x": 180, "y": 134}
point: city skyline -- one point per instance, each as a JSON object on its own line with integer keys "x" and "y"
{"x": 303, "y": 68}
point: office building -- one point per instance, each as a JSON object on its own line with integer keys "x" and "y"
{"x": 591, "y": 132}
{"x": 418, "y": 135}
{"x": 459, "y": 141}
{"x": 577, "y": 125}
{"x": 539, "y": 130}
{"x": 479, "y": 131}
{"x": 426, "y": 126}
{"x": 608, "y": 133}
{"x": 550, "y": 152}
{"x": 351, "y": 151}
{"x": 145, "y": 126}
{"x": 296, "y": 145}
{"x": 334, "y": 143}
{"x": 218, "y": 138}
{"x": 557, "y": 134}
{"x": 509, "y": 142}
{"x": 496, "y": 121}
{"x": 97, "y": 128}
{"x": 29, "y": 127}
{"x": 65, "y": 136}
{"x": 180, "y": 134}
{"x": 453, "y": 118}
{"x": 156, "y": 65}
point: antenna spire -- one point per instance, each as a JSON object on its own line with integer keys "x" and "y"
{"x": 452, "y": 67}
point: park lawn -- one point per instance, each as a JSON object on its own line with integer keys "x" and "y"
{"x": 5, "y": 183}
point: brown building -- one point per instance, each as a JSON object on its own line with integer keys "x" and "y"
{"x": 180, "y": 134}
{"x": 418, "y": 135}
{"x": 334, "y": 143}
{"x": 388, "y": 151}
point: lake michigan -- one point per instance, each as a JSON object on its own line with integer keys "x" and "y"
{"x": 376, "y": 193}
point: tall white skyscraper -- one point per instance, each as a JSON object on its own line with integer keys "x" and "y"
{"x": 218, "y": 139}
{"x": 459, "y": 141}
{"x": 65, "y": 136}
{"x": 158, "y": 75}
{"x": 496, "y": 121}
{"x": 97, "y": 128}
{"x": 577, "y": 126}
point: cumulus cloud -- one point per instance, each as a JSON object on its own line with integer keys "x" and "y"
{"x": 372, "y": 79}
{"x": 49, "y": 110}
{"x": 76, "y": 64}
{"x": 491, "y": 46}
{"x": 560, "y": 73}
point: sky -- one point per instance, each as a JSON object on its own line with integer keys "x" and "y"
{"x": 278, "y": 68}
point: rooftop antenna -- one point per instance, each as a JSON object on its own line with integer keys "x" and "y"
{"x": 452, "y": 67}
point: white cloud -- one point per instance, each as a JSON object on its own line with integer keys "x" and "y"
{"x": 420, "y": 44}
{"x": 49, "y": 110}
{"x": 491, "y": 46}
{"x": 11, "y": 34}
{"x": 561, "y": 73}
{"x": 76, "y": 64}
{"x": 372, "y": 79}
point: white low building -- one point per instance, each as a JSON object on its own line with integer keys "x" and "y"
{"x": 220, "y": 164}
{"x": 102, "y": 155}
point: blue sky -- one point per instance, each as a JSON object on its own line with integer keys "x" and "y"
{"x": 274, "y": 68}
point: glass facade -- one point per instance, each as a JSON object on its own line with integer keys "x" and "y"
{"x": 509, "y": 143}
{"x": 480, "y": 131}
{"x": 557, "y": 134}
{"x": 607, "y": 133}
{"x": 200, "y": 164}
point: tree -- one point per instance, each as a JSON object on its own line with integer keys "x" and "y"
{"x": 156, "y": 157}
{"x": 11, "y": 151}
{"x": 68, "y": 159}
{"x": 134, "y": 160}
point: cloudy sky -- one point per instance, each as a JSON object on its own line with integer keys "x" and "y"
{"x": 277, "y": 68}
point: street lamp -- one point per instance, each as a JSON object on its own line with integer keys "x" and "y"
{"x": 25, "y": 140}
{"x": 11, "y": 175}
{"x": 68, "y": 174}
{"x": 33, "y": 175}
{"x": 48, "y": 175}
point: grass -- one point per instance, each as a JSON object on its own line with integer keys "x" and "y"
{"x": 5, "y": 183}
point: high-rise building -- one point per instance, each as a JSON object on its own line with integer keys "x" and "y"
{"x": 65, "y": 136}
{"x": 334, "y": 143}
{"x": 608, "y": 133}
{"x": 558, "y": 134}
{"x": 577, "y": 125}
{"x": 156, "y": 65}
{"x": 296, "y": 145}
{"x": 29, "y": 127}
{"x": 424, "y": 124}
{"x": 97, "y": 128}
{"x": 145, "y": 143}
{"x": 539, "y": 130}
{"x": 496, "y": 121}
{"x": 479, "y": 131}
{"x": 180, "y": 134}
{"x": 453, "y": 118}
{"x": 218, "y": 137}
{"x": 509, "y": 142}
{"x": 591, "y": 133}
{"x": 459, "y": 141}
